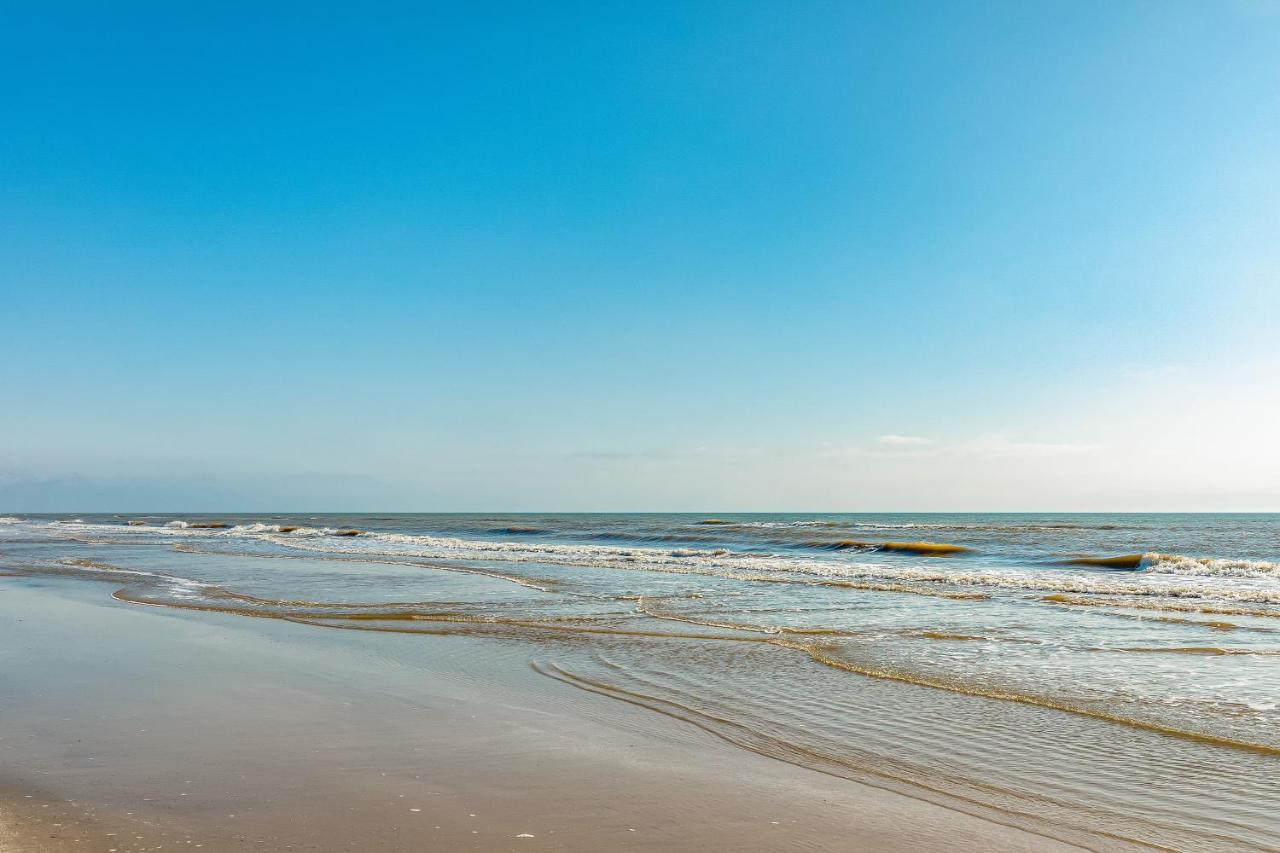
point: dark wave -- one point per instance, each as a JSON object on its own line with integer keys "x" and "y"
{"x": 608, "y": 535}
{"x": 922, "y": 549}
{"x": 1124, "y": 561}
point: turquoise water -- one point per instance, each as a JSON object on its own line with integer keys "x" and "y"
{"x": 1021, "y": 672}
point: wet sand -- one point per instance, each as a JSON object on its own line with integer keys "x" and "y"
{"x": 130, "y": 728}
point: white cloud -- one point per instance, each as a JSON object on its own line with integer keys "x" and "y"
{"x": 905, "y": 440}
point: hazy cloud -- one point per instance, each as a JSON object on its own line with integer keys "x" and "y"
{"x": 1005, "y": 447}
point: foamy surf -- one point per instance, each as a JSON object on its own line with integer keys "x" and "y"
{"x": 1147, "y": 575}
{"x": 720, "y": 562}
{"x": 1174, "y": 564}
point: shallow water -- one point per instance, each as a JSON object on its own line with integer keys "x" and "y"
{"x": 1021, "y": 675}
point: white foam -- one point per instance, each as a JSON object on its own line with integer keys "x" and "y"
{"x": 1173, "y": 564}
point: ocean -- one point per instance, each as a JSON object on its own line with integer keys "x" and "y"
{"x": 1096, "y": 678}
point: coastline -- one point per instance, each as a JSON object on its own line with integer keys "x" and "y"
{"x": 192, "y": 729}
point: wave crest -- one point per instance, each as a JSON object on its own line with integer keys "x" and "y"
{"x": 1176, "y": 564}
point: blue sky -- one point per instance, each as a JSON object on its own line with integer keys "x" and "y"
{"x": 756, "y": 256}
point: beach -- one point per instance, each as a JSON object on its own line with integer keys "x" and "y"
{"x": 545, "y": 683}
{"x": 133, "y": 729}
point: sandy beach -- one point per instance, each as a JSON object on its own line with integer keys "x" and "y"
{"x": 130, "y": 728}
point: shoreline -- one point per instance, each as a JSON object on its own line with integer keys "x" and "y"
{"x": 230, "y": 733}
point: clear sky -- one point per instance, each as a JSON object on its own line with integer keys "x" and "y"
{"x": 643, "y": 256}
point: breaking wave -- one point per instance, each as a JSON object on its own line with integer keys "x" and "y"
{"x": 1175, "y": 564}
